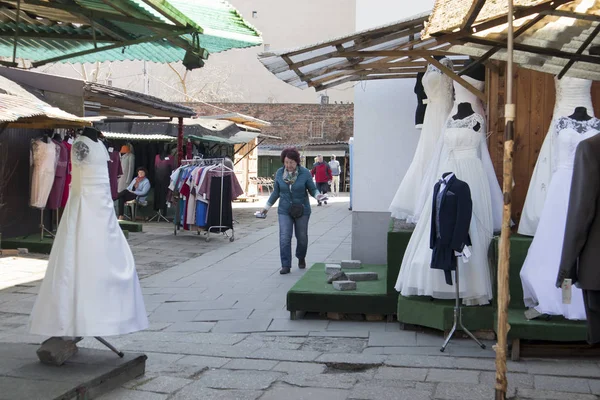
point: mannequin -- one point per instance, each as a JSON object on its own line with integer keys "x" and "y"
{"x": 476, "y": 72}
{"x": 465, "y": 110}
{"x": 450, "y": 221}
{"x": 91, "y": 133}
{"x": 580, "y": 114}
{"x": 421, "y": 101}
{"x": 163, "y": 167}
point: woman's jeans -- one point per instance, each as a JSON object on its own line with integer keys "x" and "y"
{"x": 300, "y": 226}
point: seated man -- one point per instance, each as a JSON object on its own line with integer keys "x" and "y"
{"x": 137, "y": 190}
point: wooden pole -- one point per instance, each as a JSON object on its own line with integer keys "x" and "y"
{"x": 501, "y": 347}
{"x": 180, "y": 141}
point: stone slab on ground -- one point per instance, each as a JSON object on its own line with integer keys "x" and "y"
{"x": 344, "y": 285}
{"x": 93, "y": 372}
{"x": 332, "y": 269}
{"x": 351, "y": 264}
{"x": 362, "y": 276}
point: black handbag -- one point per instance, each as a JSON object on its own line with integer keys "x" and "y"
{"x": 296, "y": 210}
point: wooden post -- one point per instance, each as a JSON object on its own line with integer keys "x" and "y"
{"x": 501, "y": 347}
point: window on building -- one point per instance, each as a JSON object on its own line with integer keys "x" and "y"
{"x": 266, "y": 47}
{"x": 254, "y": 14}
{"x": 316, "y": 129}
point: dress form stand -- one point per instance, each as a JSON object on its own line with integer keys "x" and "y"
{"x": 159, "y": 216}
{"x": 458, "y": 317}
{"x": 57, "y": 350}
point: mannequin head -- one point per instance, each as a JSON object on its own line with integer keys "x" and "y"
{"x": 475, "y": 71}
{"x": 91, "y": 133}
{"x": 580, "y": 114}
{"x": 464, "y": 110}
{"x": 124, "y": 149}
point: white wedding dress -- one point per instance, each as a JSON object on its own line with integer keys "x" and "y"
{"x": 438, "y": 88}
{"x": 570, "y": 93}
{"x": 91, "y": 287}
{"x": 540, "y": 268}
{"x": 463, "y": 156}
{"x": 44, "y": 158}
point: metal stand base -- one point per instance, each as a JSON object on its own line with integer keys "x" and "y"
{"x": 458, "y": 318}
{"x": 110, "y": 346}
{"x": 43, "y": 227}
{"x": 159, "y": 217}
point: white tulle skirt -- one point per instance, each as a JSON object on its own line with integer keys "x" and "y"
{"x": 539, "y": 271}
{"x": 417, "y": 278}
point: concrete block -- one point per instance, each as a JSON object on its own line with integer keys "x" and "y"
{"x": 331, "y": 269}
{"x": 344, "y": 285}
{"x": 362, "y": 276}
{"x": 56, "y": 351}
{"x": 9, "y": 253}
{"x": 338, "y": 276}
{"x": 351, "y": 264}
{"x": 23, "y": 251}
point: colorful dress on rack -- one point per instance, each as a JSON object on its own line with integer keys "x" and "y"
{"x": 91, "y": 287}
{"x": 60, "y": 177}
{"x": 44, "y": 158}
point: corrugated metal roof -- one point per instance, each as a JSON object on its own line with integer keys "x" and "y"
{"x": 551, "y": 39}
{"x": 66, "y": 29}
{"x": 340, "y": 60}
{"x": 137, "y": 136}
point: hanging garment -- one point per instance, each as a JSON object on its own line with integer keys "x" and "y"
{"x": 60, "y": 176}
{"x": 541, "y": 265}
{"x": 91, "y": 287}
{"x": 570, "y": 93}
{"x": 128, "y": 168}
{"x": 421, "y": 101}
{"x": 438, "y": 87}
{"x": 44, "y": 158}
{"x": 462, "y": 95}
{"x": 220, "y": 211}
{"x": 65, "y": 195}
{"x": 162, "y": 171}
{"x": 463, "y": 157}
{"x": 114, "y": 172}
{"x": 450, "y": 221}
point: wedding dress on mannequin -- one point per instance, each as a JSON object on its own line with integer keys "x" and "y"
{"x": 91, "y": 287}
{"x": 438, "y": 88}
{"x": 462, "y": 154}
{"x": 462, "y": 95}
{"x": 540, "y": 268}
{"x": 570, "y": 93}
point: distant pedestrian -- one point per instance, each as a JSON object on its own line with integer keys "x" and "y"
{"x": 293, "y": 184}
{"x": 334, "y": 165}
{"x": 322, "y": 174}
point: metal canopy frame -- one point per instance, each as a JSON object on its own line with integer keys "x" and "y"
{"x": 387, "y": 52}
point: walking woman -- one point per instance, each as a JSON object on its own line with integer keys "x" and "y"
{"x": 293, "y": 184}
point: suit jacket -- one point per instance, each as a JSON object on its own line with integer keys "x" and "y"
{"x": 456, "y": 208}
{"x": 581, "y": 246}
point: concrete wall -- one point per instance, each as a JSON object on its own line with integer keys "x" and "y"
{"x": 384, "y": 138}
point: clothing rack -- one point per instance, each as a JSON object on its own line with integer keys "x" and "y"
{"x": 206, "y": 162}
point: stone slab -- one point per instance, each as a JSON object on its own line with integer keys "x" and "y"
{"x": 362, "y": 276}
{"x": 351, "y": 264}
{"x": 164, "y": 384}
{"x": 331, "y": 269}
{"x": 196, "y": 391}
{"x": 240, "y": 380}
{"x": 282, "y": 391}
{"x": 344, "y": 285}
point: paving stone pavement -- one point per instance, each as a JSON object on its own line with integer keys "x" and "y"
{"x": 219, "y": 330}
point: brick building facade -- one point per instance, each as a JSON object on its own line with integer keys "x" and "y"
{"x": 294, "y": 123}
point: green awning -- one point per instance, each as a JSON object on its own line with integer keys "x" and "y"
{"x": 85, "y": 31}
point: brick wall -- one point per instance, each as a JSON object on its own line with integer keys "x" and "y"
{"x": 294, "y": 123}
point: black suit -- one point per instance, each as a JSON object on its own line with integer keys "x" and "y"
{"x": 580, "y": 252}
{"x": 452, "y": 234}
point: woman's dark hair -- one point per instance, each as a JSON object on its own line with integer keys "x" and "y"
{"x": 142, "y": 169}
{"x": 291, "y": 153}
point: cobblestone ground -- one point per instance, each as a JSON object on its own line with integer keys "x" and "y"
{"x": 219, "y": 330}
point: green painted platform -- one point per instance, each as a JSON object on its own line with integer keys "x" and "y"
{"x": 131, "y": 226}
{"x": 312, "y": 293}
{"x": 553, "y": 328}
{"x": 33, "y": 243}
